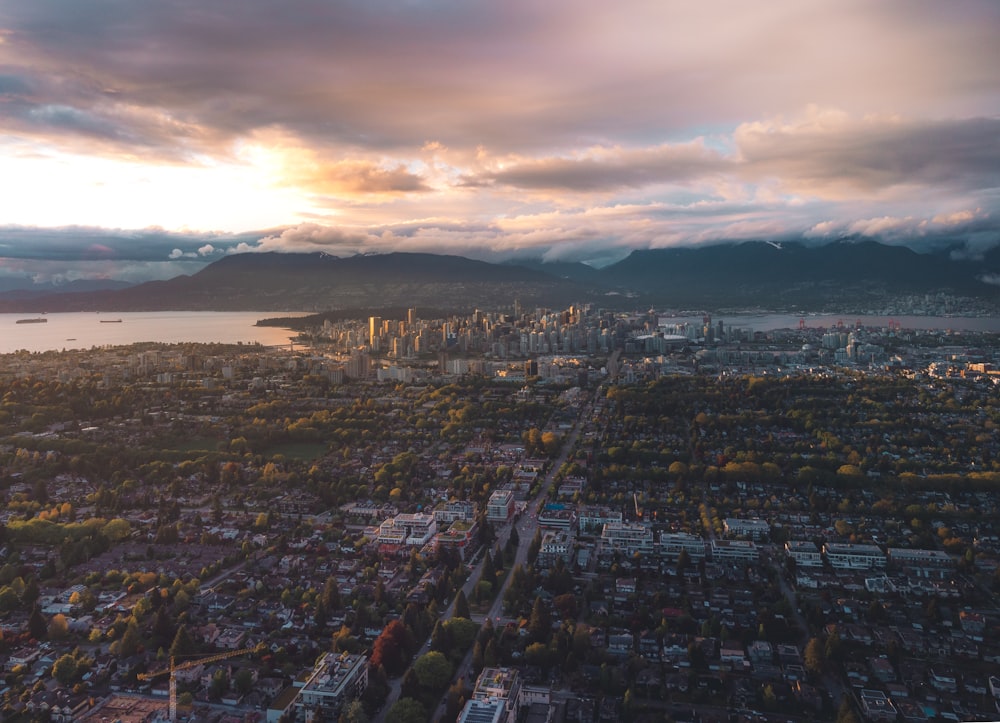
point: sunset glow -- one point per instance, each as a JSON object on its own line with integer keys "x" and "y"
{"x": 572, "y": 130}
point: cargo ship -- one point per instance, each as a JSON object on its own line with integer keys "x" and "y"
{"x": 36, "y": 320}
{"x": 111, "y": 321}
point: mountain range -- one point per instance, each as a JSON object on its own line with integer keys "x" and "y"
{"x": 840, "y": 276}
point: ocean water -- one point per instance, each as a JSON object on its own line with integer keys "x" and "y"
{"x": 84, "y": 330}
{"x": 769, "y": 322}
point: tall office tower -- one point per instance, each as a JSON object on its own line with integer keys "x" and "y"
{"x": 411, "y": 316}
{"x": 374, "y": 328}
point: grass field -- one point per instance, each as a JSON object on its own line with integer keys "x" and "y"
{"x": 196, "y": 444}
{"x": 297, "y": 450}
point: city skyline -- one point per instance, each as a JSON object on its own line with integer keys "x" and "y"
{"x": 144, "y": 141}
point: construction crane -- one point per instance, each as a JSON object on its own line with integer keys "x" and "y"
{"x": 174, "y": 667}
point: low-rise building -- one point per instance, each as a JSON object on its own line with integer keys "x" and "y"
{"x": 847, "y": 556}
{"x": 628, "y": 538}
{"x": 459, "y": 536}
{"x": 734, "y": 551}
{"x": 753, "y": 528}
{"x": 804, "y": 552}
{"x": 556, "y": 545}
{"x": 496, "y": 687}
{"x": 926, "y": 562}
{"x": 876, "y": 705}
{"x": 592, "y": 519}
{"x": 407, "y": 529}
{"x": 336, "y": 680}
{"x": 448, "y": 512}
{"x": 500, "y": 507}
{"x": 673, "y": 543}
{"x": 557, "y": 517}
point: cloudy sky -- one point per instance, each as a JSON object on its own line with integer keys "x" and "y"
{"x": 145, "y": 139}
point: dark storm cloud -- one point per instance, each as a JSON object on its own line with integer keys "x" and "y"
{"x": 960, "y": 155}
{"x": 611, "y": 169}
{"x": 576, "y": 128}
{"x": 517, "y": 75}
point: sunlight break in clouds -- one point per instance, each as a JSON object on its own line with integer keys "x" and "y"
{"x": 573, "y": 129}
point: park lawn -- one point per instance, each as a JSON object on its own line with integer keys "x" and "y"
{"x": 305, "y": 451}
{"x": 196, "y": 444}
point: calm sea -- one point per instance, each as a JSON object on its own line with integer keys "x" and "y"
{"x": 768, "y": 322}
{"x": 89, "y": 329}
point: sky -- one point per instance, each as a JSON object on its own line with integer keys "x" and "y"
{"x": 142, "y": 140}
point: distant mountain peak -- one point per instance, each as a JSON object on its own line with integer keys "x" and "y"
{"x": 843, "y": 275}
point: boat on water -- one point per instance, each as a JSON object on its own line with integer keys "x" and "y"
{"x": 35, "y": 320}
{"x": 111, "y": 321}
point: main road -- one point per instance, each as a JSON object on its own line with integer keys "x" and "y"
{"x": 527, "y": 525}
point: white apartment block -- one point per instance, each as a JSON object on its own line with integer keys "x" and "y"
{"x": 672, "y": 543}
{"x": 448, "y": 512}
{"x": 845, "y": 556}
{"x": 495, "y": 688}
{"x": 920, "y": 559}
{"x": 753, "y": 528}
{"x": 411, "y": 529}
{"x": 556, "y": 544}
{"x": 804, "y": 552}
{"x": 593, "y": 519}
{"x": 734, "y": 551}
{"x": 628, "y": 537}
{"x": 336, "y": 680}
{"x": 500, "y": 506}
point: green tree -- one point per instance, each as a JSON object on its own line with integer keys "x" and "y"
{"x": 440, "y": 640}
{"x": 454, "y": 699}
{"x": 354, "y": 712}
{"x": 462, "y": 606}
{"x": 410, "y": 685}
{"x": 477, "y": 657}
{"x": 433, "y": 670}
{"x": 182, "y": 644}
{"x": 243, "y": 681}
{"x": 331, "y": 594}
{"x": 489, "y": 573}
{"x": 490, "y": 655}
{"x": 64, "y": 669}
{"x": 535, "y": 546}
{"x": 116, "y": 530}
{"x": 540, "y": 622}
{"x": 539, "y": 655}
{"x": 219, "y": 685}
{"x": 461, "y": 632}
{"x": 406, "y": 710}
{"x": 38, "y": 627}
{"x": 130, "y": 641}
